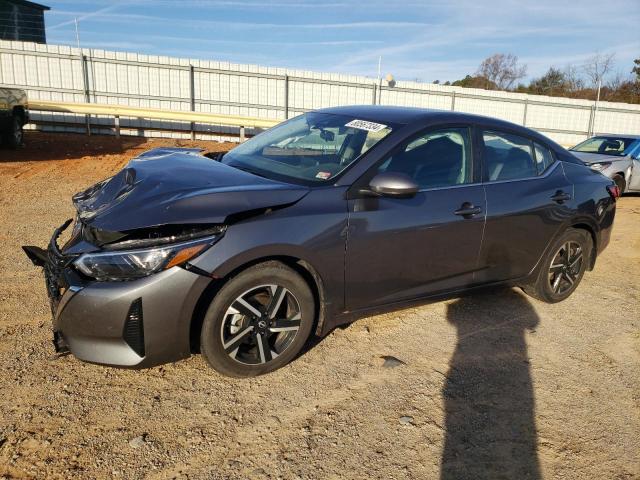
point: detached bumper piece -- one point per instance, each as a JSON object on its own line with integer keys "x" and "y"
{"x": 37, "y": 255}
{"x": 59, "y": 345}
{"x": 54, "y": 264}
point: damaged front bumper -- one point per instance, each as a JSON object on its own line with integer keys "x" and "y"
{"x": 136, "y": 324}
{"x": 54, "y": 264}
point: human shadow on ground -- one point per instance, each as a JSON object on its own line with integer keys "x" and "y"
{"x": 488, "y": 394}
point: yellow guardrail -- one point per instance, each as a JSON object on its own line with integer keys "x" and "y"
{"x": 151, "y": 113}
{"x": 118, "y": 111}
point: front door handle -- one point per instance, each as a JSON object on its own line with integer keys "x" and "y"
{"x": 468, "y": 210}
{"x": 560, "y": 197}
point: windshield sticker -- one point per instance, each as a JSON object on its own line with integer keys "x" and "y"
{"x": 323, "y": 175}
{"x": 364, "y": 125}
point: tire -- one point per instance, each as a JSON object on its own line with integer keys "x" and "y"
{"x": 620, "y": 182}
{"x": 14, "y": 135}
{"x": 559, "y": 276}
{"x": 237, "y": 342}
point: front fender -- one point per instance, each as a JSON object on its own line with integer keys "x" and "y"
{"x": 312, "y": 231}
{"x": 618, "y": 166}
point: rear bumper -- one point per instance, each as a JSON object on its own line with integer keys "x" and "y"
{"x": 134, "y": 324}
{"x": 606, "y": 225}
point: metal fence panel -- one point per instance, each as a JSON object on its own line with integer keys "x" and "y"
{"x": 62, "y": 73}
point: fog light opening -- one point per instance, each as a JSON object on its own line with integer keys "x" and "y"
{"x": 134, "y": 328}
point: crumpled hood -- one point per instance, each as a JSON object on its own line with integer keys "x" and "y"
{"x": 177, "y": 186}
{"x": 589, "y": 158}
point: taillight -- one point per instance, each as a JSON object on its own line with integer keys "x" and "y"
{"x": 614, "y": 191}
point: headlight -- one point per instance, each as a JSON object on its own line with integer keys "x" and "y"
{"x": 130, "y": 264}
{"x": 598, "y": 167}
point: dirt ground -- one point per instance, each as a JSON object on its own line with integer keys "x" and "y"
{"x": 494, "y": 385}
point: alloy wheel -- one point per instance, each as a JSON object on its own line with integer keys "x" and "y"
{"x": 565, "y": 267}
{"x": 260, "y": 324}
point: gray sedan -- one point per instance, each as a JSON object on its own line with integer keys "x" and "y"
{"x": 327, "y": 217}
{"x": 616, "y": 156}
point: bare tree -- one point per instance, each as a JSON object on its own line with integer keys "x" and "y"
{"x": 501, "y": 70}
{"x": 574, "y": 79}
{"x": 616, "y": 81}
{"x": 598, "y": 66}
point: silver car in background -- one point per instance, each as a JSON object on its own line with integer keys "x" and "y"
{"x": 616, "y": 156}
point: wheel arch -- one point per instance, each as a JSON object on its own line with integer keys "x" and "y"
{"x": 580, "y": 225}
{"x": 300, "y": 266}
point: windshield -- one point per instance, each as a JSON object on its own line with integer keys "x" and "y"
{"x": 615, "y": 146}
{"x": 311, "y": 148}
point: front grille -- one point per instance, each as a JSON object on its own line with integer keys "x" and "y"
{"x": 134, "y": 328}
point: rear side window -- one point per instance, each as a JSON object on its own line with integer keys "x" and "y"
{"x": 507, "y": 157}
{"x": 544, "y": 157}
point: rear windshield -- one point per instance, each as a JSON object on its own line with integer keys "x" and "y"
{"x": 311, "y": 148}
{"x": 615, "y": 146}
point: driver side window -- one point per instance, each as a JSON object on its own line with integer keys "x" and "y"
{"x": 440, "y": 158}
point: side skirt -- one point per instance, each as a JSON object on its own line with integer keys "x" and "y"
{"x": 349, "y": 317}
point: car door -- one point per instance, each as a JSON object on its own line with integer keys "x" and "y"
{"x": 404, "y": 248}
{"x": 528, "y": 201}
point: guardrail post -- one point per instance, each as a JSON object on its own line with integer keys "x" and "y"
{"x": 286, "y": 97}
{"x": 192, "y": 95}
{"x": 116, "y": 123}
{"x": 453, "y": 101}
{"x": 591, "y": 125}
{"x": 524, "y": 116}
{"x": 242, "y": 135}
{"x": 85, "y": 82}
{"x": 375, "y": 94}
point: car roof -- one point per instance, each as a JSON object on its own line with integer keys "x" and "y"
{"x": 411, "y": 115}
{"x": 617, "y": 135}
{"x": 383, "y": 113}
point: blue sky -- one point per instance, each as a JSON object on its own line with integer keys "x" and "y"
{"x": 424, "y": 40}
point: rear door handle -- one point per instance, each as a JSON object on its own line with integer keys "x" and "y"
{"x": 560, "y": 197}
{"x": 468, "y": 210}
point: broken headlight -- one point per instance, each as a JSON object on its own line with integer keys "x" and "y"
{"x": 137, "y": 263}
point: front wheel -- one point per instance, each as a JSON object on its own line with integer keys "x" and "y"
{"x": 563, "y": 267}
{"x": 258, "y": 322}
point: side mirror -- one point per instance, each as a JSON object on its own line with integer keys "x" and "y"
{"x": 390, "y": 184}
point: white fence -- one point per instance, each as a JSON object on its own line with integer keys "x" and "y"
{"x": 61, "y": 73}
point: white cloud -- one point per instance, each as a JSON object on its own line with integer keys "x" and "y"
{"x": 86, "y": 15}
{"x": 427, "y": 40}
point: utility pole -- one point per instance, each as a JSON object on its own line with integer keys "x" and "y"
{"x": 85, "y": 80}
{"x": 75, "y": 20}
{"x": 379, "y": 79}
{"x": 595, "y": 111}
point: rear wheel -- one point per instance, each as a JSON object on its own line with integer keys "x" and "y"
{"x": 563, "y": 267}
{"x": 14, "y": 136}
{"x": 258, "y": 322}
{"x": 620, "y": 182}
